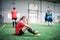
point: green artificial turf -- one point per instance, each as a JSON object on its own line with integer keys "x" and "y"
{"x": 47, "y": 33}
{"x": 1, "y": 25}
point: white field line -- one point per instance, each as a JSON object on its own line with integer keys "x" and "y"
{"x": 3, "y": 26}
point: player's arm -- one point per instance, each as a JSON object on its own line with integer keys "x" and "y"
{"x": 11, "y": 12}
{"x": 30, "y": 29}
{"x": 27, "y": 25}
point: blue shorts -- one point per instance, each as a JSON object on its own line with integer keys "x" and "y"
{"x": 50, "y": 20}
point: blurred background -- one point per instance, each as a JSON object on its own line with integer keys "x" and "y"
{"x": 33, "y": 9}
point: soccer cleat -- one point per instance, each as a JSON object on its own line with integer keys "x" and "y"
{"x": 37, "y": 34}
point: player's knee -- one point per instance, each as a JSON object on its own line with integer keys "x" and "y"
{"x": 13, "y": 20}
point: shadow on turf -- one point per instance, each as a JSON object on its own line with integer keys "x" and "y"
{"x": 24, "y": 35}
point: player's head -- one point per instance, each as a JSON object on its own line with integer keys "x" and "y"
{"x": 48, "y": 10}
{"x": 23, "y": 18}
{"x": 14, "y": 8}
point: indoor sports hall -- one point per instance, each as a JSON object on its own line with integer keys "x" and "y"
{"x": 34, "y": 11}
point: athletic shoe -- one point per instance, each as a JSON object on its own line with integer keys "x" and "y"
{"x": 37, "y": 34}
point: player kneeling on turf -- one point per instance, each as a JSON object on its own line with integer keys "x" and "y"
{"x": 22, "y": 26}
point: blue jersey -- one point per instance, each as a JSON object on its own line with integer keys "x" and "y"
{"x": 48, "y": 16}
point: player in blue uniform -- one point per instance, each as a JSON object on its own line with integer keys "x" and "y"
{"x": 48, "y": 17}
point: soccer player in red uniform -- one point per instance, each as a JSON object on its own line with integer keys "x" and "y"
{"x": 14, "y": 16}
{"x": 22, "y": 26}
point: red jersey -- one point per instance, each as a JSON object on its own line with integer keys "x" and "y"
{"x": 14, "y": 13}
{"x": 19, "y": 27}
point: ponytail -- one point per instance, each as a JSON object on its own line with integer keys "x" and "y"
{"x": 22, "y": 17}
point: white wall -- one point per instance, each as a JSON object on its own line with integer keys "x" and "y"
{"x": 57, "y": 11}
{"x": 22, "y": 7}
{"x": 0, "y": 7}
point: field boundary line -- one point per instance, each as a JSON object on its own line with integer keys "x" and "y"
{"x": 3, "y": 26}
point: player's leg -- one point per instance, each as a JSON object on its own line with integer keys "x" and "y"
{"x": 21, "y": 32}
{"x": 48, "y": 22}
{"x": 13, "y": 22}
{"x": 32, "y": 31}
{"x": 29, "y": 30}
{"x": 51, "y": 21}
